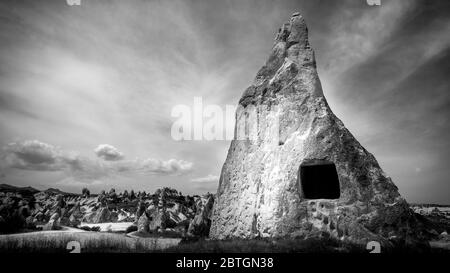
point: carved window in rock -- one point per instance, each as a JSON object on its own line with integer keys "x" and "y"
{"x": 318, "y": 179}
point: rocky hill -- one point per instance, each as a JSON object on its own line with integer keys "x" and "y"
{"x": 166, "y": 209}
{"x": 21, "y": 190}
{"x": 295, "y": 170}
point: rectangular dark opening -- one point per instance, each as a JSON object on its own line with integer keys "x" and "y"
{"x": 319, "y": 180}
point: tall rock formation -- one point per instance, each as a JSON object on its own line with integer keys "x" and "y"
{"x": 298, "y": 171}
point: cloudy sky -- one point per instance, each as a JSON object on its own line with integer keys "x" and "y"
{"x": 86, "y": 92}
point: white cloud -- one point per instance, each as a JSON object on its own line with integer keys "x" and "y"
{"x": 39, "y": 156}
{"x": 169, "y": 166}
{"x": 207, "y": 179}
{"x": 33, "y": 155}
{"x": 153, "y": 166}
{"x": 108, "y": 152}
{"x": 205, "y": 184}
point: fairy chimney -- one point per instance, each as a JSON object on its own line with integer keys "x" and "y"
{"x": 298, "y": 171}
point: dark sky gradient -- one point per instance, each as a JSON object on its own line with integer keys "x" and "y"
{"x": 109, "y": 72}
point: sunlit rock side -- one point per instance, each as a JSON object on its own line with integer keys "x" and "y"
{"x": 259, "y": 194}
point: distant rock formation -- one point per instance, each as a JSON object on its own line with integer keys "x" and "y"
{"x": 53, "y": 223}
{"x": 165, "y": 210}
{"x": 200, "y": 225}
{"x": 301, "y": 172}
{"x": 142, "y": 223}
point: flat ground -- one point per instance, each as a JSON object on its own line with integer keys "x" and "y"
{"x": 106, "y": 242}
{"x": 57, "y": 240}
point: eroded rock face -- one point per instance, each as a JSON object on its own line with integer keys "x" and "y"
{"x": 54, "y": 223}
{"x": 101, "y": 215}
{"x": 260, "y": 193}
{"x": 201, "y": 223}
{"x": 140, "y": 210}
{"x": 143, "y": 223}
{"x": 158, "y": 220}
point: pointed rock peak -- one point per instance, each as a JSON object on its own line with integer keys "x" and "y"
{"x": 293, "y": 32}
{"x": 295, "y": 163}
{"x": 291, "y": 58}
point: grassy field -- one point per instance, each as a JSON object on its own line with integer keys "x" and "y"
{"x": 104, "y": 242}
{"x": 311, "y": 245}
{"x": 90, "y": 242}
{"x": 291, "y": 245}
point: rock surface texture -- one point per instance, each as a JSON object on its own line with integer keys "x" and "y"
{"x": 201, "y": 223}
{"x": 286, "y": 122}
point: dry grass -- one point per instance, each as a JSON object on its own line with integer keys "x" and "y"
{"x": 100, "y": 242}
{"x": 289, "y": 245}
{"x": 91, "y": 242}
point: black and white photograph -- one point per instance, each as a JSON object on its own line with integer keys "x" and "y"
{"x": 255, "y": 127}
